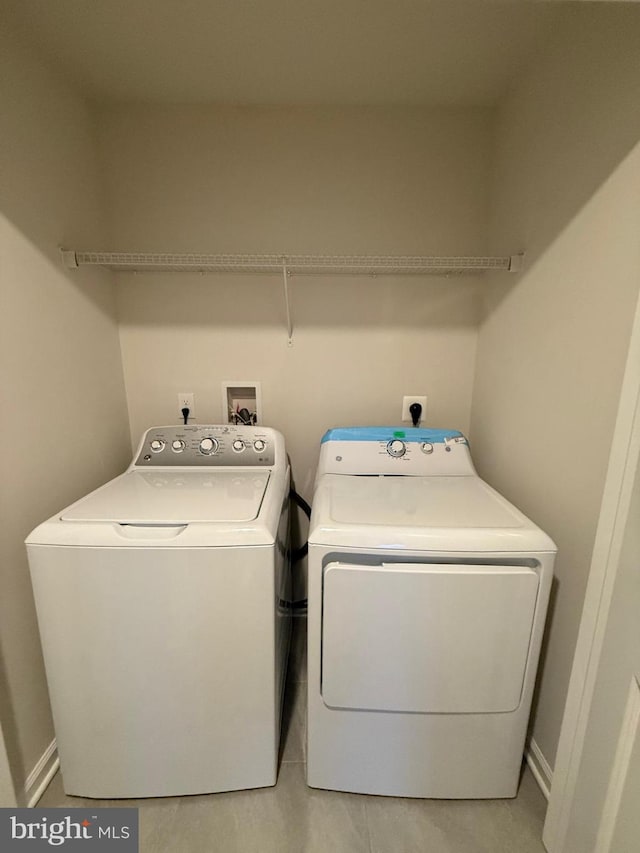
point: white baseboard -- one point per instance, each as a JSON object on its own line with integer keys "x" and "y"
{"x": 539, "y": 766}
{"x": 39, "y": 778}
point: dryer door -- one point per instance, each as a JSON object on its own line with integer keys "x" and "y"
{"x": 426, "y": 638}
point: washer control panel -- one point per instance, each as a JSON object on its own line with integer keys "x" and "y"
{"x": 207, "y": 445}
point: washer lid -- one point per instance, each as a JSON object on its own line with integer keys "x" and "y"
{"x": 460, "y": 513}
{"x": 174, "y": 497}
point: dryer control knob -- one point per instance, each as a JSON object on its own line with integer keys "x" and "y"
{"x": 157, "y": 445}
{"x": 178, "y": 445}
{"x": 238, "y": 445}
{"x": 396, "y": 448}
{"x": 426, "y": 447}
{"x": 259, "y": 445}
{"x": 208, "y": 446}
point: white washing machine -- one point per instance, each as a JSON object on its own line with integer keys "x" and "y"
{"x": 427, "y": 600}
{"x": 162, "y": 606}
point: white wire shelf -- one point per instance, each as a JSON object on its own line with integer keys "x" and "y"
{"x": 292, "y": 264}
{"x": 287, "y": 265}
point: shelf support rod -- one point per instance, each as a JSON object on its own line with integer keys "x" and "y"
{"x": 285, "y": 282}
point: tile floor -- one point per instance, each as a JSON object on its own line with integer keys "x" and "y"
{"x": 292, "y": 818}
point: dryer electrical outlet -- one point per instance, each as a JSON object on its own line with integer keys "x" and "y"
{"x": 409, "y": 401}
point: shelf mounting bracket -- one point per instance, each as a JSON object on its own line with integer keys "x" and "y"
{"x": 285, "y": 282}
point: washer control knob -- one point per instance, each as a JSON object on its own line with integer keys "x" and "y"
{"x": 178, "y": 445}
{"x": 157, "y": 445}
{"x": 238, "y": 445}
{"x": 259, "y": 445}
{"x": 426, "y": 447}
{"x": 208, "y": 446}
{"x": 396, "y": 448}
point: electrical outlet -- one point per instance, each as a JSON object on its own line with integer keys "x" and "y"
{"x": 408, "y": 401}
{"x": 187, "y": 401}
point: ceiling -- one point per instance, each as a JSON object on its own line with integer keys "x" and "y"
{"x": 288, "y": 51}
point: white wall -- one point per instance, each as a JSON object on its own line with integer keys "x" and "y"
{"x": 63, "y": 422}
{"x": 553, "y": 343}
{"x": 298, "y": 180}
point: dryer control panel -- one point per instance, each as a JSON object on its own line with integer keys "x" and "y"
{"x": 395, "y": 451}
{"x": 207, "y": 445}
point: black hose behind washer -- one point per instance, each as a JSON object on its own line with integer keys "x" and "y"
{"x": 303, "y": 550}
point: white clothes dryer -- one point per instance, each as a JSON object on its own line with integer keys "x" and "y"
{"x": 427, "y": 600}
{"x": 162, "y": 601}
